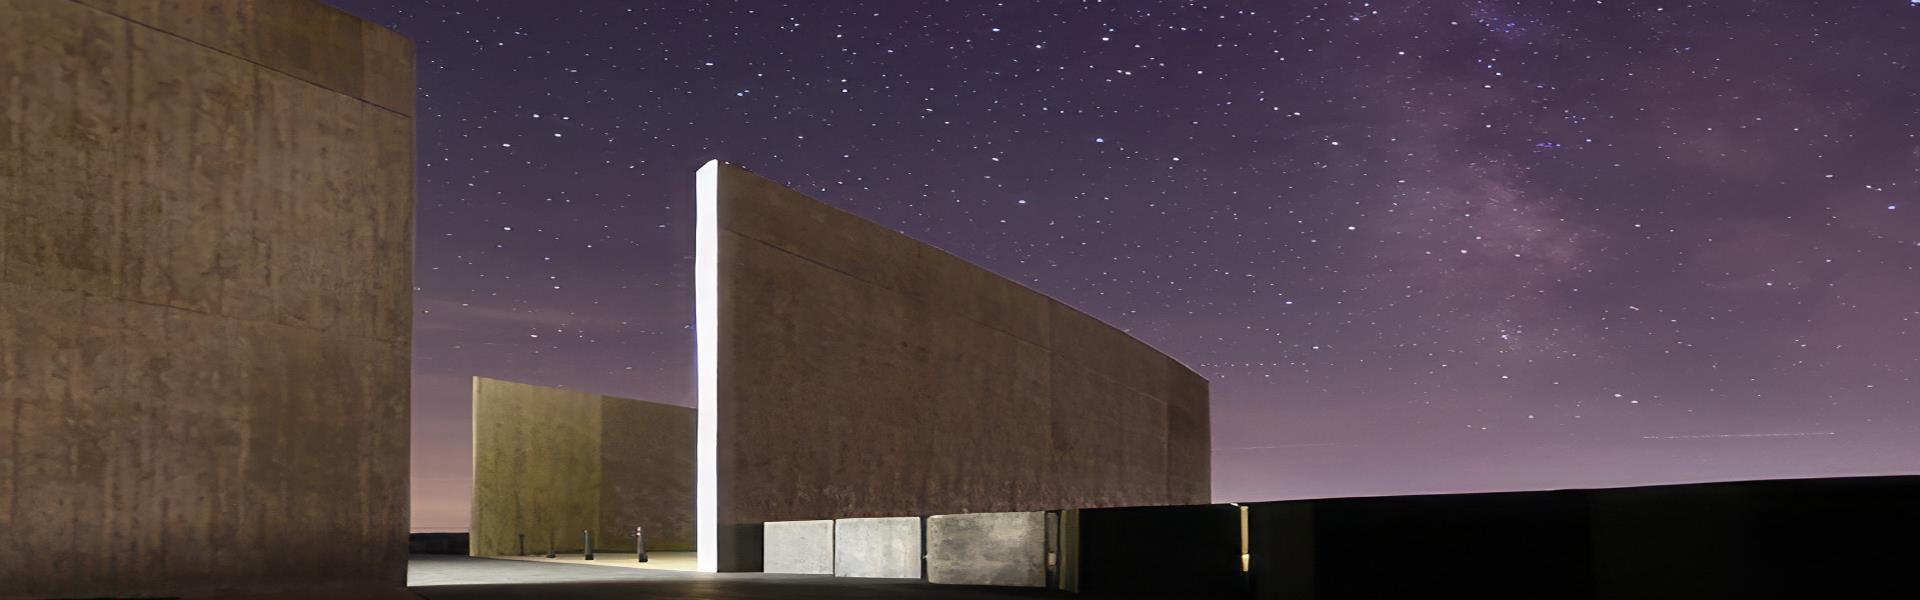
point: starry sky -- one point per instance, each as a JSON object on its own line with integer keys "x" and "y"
{"x": 1422, "y": 246}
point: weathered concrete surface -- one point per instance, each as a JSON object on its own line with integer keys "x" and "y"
{"x": 1007, "y": 549}
{"x": 856, "y": 372}
{"x": 305, "y": 40}
{"x": 553, "y": 462}
{"x": 799, "y": 547}
{"x": 877, "y": 547}
{"x": 205, "y": 299}
{"x": 646, "y": 474}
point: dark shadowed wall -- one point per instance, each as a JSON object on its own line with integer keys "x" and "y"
{"x": 865, "y": 374}
{"x": 1186, "y": 552}
{"x": 1798, "y": 538}
{"x": 206, "y": 232}
{"x": 550, "y": 461}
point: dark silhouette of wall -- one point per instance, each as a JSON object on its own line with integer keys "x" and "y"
{"x": 1805, "y": 538}
{"x": 1514, "y": 545}
{"x": 1158, "y": 552}
{"x": 1812, "y": 538}
{"x": 206, "y": 233}
{"x": 437, "y": 543}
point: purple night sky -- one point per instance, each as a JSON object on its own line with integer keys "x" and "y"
{"x": 1418, "y": 246}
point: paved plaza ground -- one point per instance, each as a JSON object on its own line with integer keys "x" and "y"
{"x": 438, "y": 577}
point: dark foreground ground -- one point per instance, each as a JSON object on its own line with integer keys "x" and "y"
{"x": 438, "y": 577}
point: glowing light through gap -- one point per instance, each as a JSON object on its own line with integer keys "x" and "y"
{"x": 706, "y": 340}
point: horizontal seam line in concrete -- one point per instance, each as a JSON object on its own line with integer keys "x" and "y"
{"x": 1051, "y": 355}
{"x": 242, "y": 58}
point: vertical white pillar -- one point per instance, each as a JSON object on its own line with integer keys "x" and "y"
{"x": 706, "y": 335}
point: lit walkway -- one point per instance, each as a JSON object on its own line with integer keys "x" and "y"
{"x": 444, "y": 570}
{"x": 666, "y": 561}
{"x": 437, "y": 577}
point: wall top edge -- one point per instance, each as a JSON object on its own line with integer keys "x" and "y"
{"x": 479, "y": 379}
{"x": 729, "y": 169}
{"x": 304, "y": 39}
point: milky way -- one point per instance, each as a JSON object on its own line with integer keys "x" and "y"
{"x": 1417, "y": 247}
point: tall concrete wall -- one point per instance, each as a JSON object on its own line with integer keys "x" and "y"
{"x": 646, "y": 466}
{"x": 847, "y": 370}
{"x": 554, "y": 462}
{"x": 206, "y": 229}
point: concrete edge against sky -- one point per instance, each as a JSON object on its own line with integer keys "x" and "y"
{"x": 702, "y": 195}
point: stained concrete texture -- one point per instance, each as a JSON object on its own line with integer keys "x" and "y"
{"x": 877, "y": 547}
{"x": 851, "y": 371}
{"x": 1007, "y": 549}
{"x": 206, "y": 232}
{"x": 798, "y": 547}
{"x": 550, "y": 463}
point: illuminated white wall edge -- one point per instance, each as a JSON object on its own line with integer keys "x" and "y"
{"x": 706, "y": 335}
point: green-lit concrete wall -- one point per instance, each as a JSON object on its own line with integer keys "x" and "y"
{"x": 860, "y": 373}
{"x": 206, "y": 231}
{"x": 550, "y": 461}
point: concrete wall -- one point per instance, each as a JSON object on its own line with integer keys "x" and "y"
{"x": 646, "y": 474}
{"x": 850, "y": 371}
{"x": 799, "y": 547}
{"x": 888, "y": 547}
{"x": 1006, "y": 549}
{"x": 550, "y": 462}
{"x": 206, "y": 228}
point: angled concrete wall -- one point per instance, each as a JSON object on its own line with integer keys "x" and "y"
{"x": 549, "y": 463}
{"x": 206, "y": 229}
{"x": 646, "y": 475}
{"x": 846, "y": 370}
